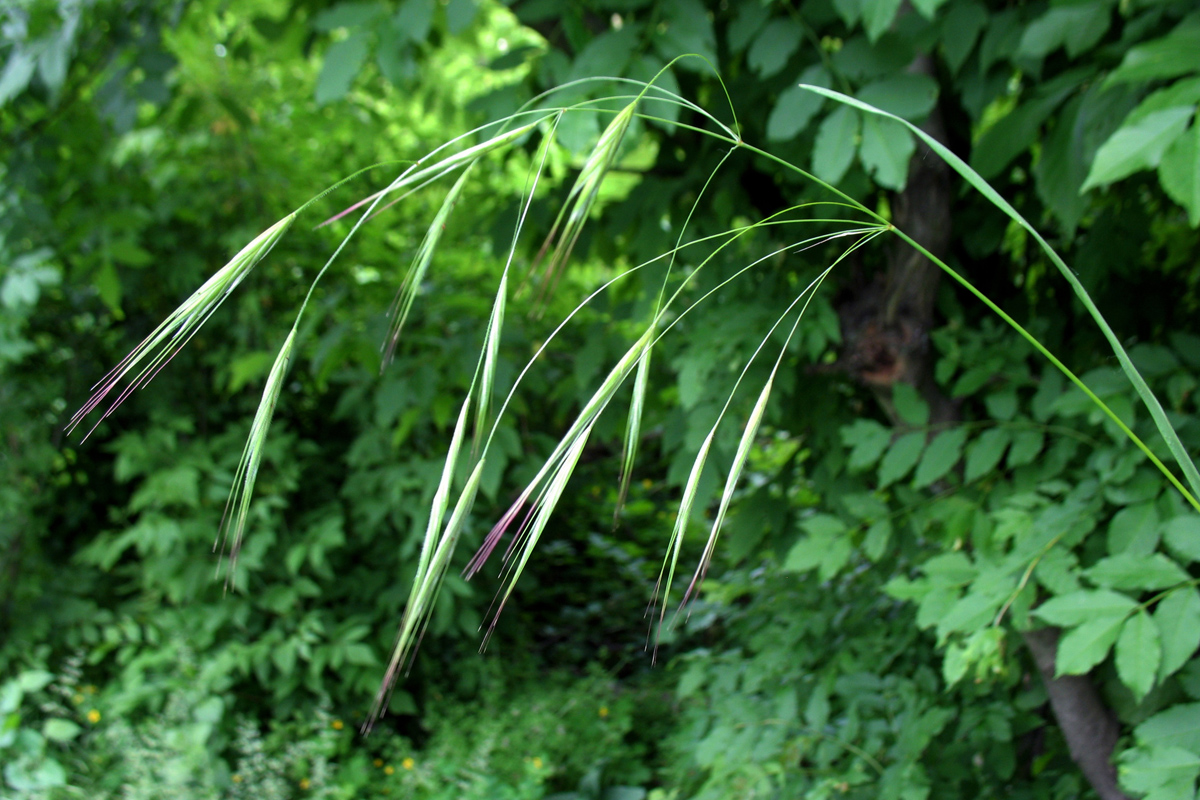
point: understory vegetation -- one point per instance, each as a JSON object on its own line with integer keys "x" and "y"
{"x": 825, "y": 371}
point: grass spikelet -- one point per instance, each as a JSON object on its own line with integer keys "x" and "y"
{"x": 418, "y": 175}
{"x": 441, "y": 497}
{"x": 157, "y": 349}
{"x": 582, "y": 197}
{"x": 491, "y": 351}
{"x": 671, "y": 560}
{"x": 633, "y": 431}
{"x": 735, "y": 472}
{"x": 426, "y": 585}
{"x": 582, "y": 424}
{"x": 545, "y": 508}
{"x": 237, "y": 507}
{"x": 415, "y": 276}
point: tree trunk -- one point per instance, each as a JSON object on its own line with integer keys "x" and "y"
{"x": 886, "y": 333}
{"x": 1088, "y": 726}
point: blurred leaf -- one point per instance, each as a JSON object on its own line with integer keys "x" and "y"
{"x": 343, "y": 61}
{"x": 1138, "y": 146}
{"x": 901, "y": 457}
{"x": 1178, "y": 620}
{"x": 774, "y": 45}
{"x": 688, "y": 30}
{"x": 940, "y": 456}
{"x": 1079, "y": 607}
{"x": 348, "y": 15}
{"x": 878, "y": 15}
{"x": 1077, "y": 26}
{"x": 1179, "y": 172}
{"x": 985, "y": 453}
{"x": 1084, "y": 647}
{"x": 1177, "y": 53}
{"x": 60, "y": 730}
{"x": 911, "y": 407}
{"x": 1182, "y": 535}
{"x": 1128, "y": 571}
{"x": 837, "y": 139}
{"x": 886, "y": 149}
{"x": 1138, "y": 654}
{"x": 796, "y": 107}
{"x": 906, "y": 95}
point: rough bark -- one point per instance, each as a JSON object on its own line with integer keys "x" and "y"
{"x": 886, "y": 334}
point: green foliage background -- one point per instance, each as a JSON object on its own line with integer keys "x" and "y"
{"x": 859, "y": 634}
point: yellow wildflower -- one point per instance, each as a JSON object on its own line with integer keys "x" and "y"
{"x": 304, "y": 784}
{"x": 379, "y": 762}
{"x": 603, "y": 712}
{"x": 338, "y": 725}
{"x": 389, "y": 770}
{"x": 93, "y": 716}
{"x": 408, "y": 763}
{"x": 537, "y": 763}
{"x": 237, "y": 778}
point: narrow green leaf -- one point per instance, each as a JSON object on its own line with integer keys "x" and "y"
{"x": 1138, "y": 654}
{"x": 1178, "y": 620}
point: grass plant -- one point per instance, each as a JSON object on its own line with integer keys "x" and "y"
{"x": 527, "y": 518}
